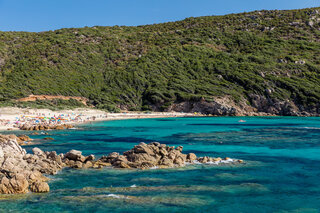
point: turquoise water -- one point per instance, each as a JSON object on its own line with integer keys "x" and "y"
{"x": 281, "y": 174}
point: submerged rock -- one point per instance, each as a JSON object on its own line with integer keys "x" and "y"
{"x": 48, "y": 138}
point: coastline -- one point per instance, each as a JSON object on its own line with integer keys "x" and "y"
{"x": 12, "y": 117}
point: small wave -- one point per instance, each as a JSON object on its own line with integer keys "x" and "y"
{"x": 112, "y": 196}
{"x": 54, "y": 179}
{"x": 311, "y": 127}
{"x": 214, "y": 162}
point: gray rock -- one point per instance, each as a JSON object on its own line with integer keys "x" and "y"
{"x": 74, "y": 155}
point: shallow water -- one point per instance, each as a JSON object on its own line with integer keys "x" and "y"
{"x": 281, "y": 174}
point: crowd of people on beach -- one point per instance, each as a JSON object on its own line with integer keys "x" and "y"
{"x": 29, "y": 119}
{"x": 4, "y": 122}
{"x": 50, "y": 119}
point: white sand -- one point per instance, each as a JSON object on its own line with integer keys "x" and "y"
{"x": 8, "y": 115}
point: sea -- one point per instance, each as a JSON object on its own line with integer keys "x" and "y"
{"x": 281, "y": 172}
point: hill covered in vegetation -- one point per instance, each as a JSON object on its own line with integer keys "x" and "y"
{"x": 262, "y": 61}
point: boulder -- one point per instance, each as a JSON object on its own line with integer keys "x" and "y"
{"x": 89, "y": 158}
{"x": 59, "y": 127}
{"x": 21, "y": 139}
{"x": 124, "y": 165}
{"x": 216, "y": 159}
{"x": 110, "y": 157}
{"x": 35, "y": 133}
{"x": 143, "y": 148}
{"x": 48, "y": 138}
{"x": 88, "y": 164}
{"x": 75, "y": 155}
{"x": 77, "y": 165}
{"x": 179, "y": 161}
{"x": 166, "y": 162}
{"x": 38, "y": 152}
{"x": 191, "y": 157}
{"x": 39, "y": 187}
{"x": 179, "y": 148}
{"x": 203, "y": 159}
{"x": 14, "y": 185}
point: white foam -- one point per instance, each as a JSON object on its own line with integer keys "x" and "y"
{"x": 311, "y": 127}
{"x": 112, "y": 195}
{"x": 214, "y": 162}
{"x": 196, "y": 162}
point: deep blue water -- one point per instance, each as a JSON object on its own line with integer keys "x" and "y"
{"x": 281, "y": 174}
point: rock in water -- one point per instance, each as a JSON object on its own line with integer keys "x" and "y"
{"x": 75, "y": 155}
{"x": 147, "y": 156}
{"x": 191, "y": 157}
{"x": 39, "y": 187}
{"x": 15, "y": 184}
{"x": 48, "y": 138}
{"x": 21, "y": 139}
{"x": 21, "y": 172}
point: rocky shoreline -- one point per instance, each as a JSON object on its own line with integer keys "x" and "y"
{"x": 45, "y": 127}
{"x": 21, "y": 172}
{"x": 257, "y": 105}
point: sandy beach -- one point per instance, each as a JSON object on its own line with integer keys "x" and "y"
{"x": 12, "y": 117}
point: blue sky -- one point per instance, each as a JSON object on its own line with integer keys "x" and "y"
{"x": 42, "y": 15}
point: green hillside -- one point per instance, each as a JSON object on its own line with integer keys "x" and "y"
{"x": 264, "y": 56}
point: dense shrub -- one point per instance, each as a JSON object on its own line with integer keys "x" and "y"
{"x": 135, "y": 67}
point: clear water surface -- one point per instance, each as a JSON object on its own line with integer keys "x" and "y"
{"x": 281, "y": 174}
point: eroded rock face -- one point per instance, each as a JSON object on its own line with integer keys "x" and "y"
{"x": 13, "y": 183}
{"x": 21, "y": 172}
{"x": 255, "y": 105}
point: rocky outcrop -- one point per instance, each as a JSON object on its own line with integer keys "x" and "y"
{"x": 204, "y": 107}
{"x": 156, "y": 155}
{"x": 21, "y": 172}
{"x": 45, "y": 127}
{"x": 39, "y": 187}
{"x": 283, "y": 108}
{"x": 220, "y": 106}
{"x": 21, "y": 139}
{"x": 256, "y": 105}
